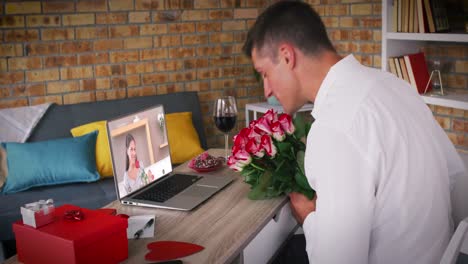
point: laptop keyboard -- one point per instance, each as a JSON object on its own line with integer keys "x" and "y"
{"x": 166, "y": 189}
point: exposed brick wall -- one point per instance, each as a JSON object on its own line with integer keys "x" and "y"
{"x": 90, "y": 50}
{"x": 80, "y": 51}
{"x": 454, "y": 69}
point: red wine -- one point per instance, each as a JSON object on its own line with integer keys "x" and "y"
{"x": 225, "y": 123}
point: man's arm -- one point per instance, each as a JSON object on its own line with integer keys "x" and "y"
{"x": 339, "y": 230}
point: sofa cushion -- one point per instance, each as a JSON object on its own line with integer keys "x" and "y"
{"x": 50, "y": 162}
{"x": 103, "y": 156}
{"x": 59, "y": 119}
{"x": 3, "y": 166}
{"x": 183, "y": 138}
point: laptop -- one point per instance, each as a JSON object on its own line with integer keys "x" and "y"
{"x": 142, "y": 165}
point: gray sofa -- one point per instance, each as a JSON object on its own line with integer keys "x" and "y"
{"x": 56, "y": 123}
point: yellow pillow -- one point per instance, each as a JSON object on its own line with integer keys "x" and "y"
{"x": 103, "y": 157}
{"x": 183, "y": 138}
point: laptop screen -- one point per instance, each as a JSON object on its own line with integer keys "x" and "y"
{"x": 139, "y": 149}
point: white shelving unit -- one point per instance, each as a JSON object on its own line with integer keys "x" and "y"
{"x": 264, "y": 106}
{"x": 397, "y": 44}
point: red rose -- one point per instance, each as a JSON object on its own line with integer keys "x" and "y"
{"x": 264, "y": 126}
{"x": 286, "y": 123}
{"x": 278, "y": 132}
{"x": 270, "y": 116}
{"x": 239, "y": 159}
{"x": 241, "y": 139}
{"x": 255, "y": 148}
{"x": 268, "y": 145}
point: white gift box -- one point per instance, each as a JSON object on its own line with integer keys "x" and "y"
{"x": 38, "y": 213}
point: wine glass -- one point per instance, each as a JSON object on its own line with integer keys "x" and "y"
{"x": 224, "y": 116}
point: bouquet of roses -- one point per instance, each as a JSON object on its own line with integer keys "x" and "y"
{"x": 269, "y": 154}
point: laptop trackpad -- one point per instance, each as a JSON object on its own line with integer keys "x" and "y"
{"x": 200, "y": 191}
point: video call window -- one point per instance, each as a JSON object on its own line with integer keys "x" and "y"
{"x": 139, "y": 149}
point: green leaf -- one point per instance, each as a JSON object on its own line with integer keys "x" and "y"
{"x": 307, "y": 128}
{"x": 247, "y": 171}
{"x": 259, "y": 191}
{"x": 283, "y": 147}
{"x": 301, "y": 180}
{"x": 300, "y": 126}
{"x": 300, "y": 156}
{"x": 283, "y": 174}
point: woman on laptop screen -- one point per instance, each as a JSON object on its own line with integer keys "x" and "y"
{"x": 135, "y": 175}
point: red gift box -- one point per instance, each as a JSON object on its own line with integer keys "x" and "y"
{"x": 97, "y": 238}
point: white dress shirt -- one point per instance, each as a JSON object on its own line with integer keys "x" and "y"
{"x": 382, "y": 168}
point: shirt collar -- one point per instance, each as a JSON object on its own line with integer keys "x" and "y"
{"x": 344, "y": 65}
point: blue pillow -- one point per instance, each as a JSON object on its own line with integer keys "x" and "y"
{"x": 50, "y": 162}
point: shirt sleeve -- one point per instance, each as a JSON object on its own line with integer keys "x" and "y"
{"x": 339, "y": 230}
{"x": 455, "y": 165}
{"x": 458, "y": 178}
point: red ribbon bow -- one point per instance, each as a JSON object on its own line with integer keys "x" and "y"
{"x": 74, "y": 215}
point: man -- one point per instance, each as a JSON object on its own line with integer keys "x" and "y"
{"x": 381, "y": 165}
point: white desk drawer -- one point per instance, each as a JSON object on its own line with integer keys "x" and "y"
{"x": 270, "y": 238}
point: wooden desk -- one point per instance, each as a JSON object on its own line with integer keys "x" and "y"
{"x": 225, "y": 225}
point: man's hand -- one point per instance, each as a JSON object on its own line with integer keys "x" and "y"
{"x": 301, "y": 206}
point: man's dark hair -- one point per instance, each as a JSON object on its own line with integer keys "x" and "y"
{"x": 290, "y": 21}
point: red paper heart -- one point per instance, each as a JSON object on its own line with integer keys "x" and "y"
{"x": 167, "y": 250}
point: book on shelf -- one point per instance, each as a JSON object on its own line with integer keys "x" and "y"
{"x": 457, "y": 13}
{"x": 391, "y": 66}
{"x": 404, "y": 71}
{"x": 421, "y": 16}
{"x": 398, "y": 6}
{"x": 429, "y": 17}
{"x": 410, "y": 73}
{"x": 395, "y": 16}
{"x": 411, "y": 16}
{"x": 415, "y": 17}
{"x": 404, "y": 16}
{"x": 418, "y": 73}
{"x": 398, "y": 67}
{"x": 439, "y": 13}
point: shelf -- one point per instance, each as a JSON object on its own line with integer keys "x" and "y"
{"x": 441, "y": 37}
{"x": 264, "y": 106}
{"x": 453, "y": 100}
{"x": 128, "y": 127}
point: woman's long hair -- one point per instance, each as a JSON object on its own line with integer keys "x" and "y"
{"x": 128, "y": 139}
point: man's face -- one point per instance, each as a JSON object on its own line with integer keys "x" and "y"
{"x": 278, "y": 80}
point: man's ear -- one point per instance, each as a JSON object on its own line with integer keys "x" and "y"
{"x": 288, "y": 54}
